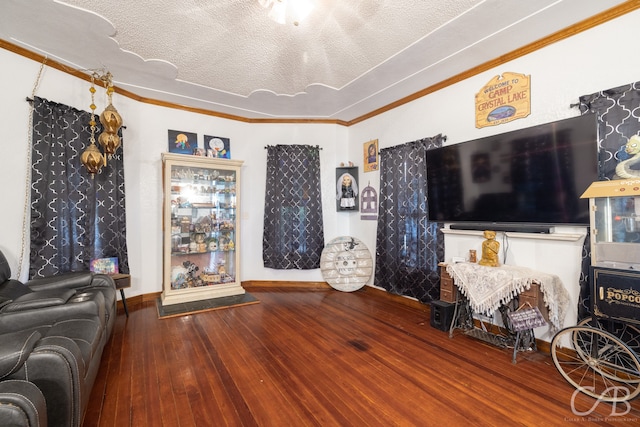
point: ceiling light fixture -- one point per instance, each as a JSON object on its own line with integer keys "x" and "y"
{"x": 283, "y": 11}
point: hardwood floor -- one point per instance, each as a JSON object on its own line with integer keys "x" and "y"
{"x": 325, "y": 358}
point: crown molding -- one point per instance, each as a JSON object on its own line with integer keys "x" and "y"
{"x": 578, "y": 28}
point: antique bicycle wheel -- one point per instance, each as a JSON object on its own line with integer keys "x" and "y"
{"x": 597, "y": 363}
{"x": 626, "y": 332}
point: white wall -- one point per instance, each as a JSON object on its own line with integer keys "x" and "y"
{"x": 145, "y": 138}
{"x": 601, "y": 58}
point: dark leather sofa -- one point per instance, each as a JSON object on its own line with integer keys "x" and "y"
{"x": 52, "y": 334}
{"x": 21, "y": 403}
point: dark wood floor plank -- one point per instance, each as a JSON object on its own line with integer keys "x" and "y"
{"x": 148, "y": 413}
{"x": 123, "y": 393}
{"x": 215, "y": 383}
{"x": 166, "y": 405}
{"x": 290, "y": 391}
{"x": 390, "y": 350}
{"x": 180, "y": 369}
{"x": 252, "y": 375}
{"x": 324, "y": 358}
{"x": 341, "y": 372}
{"x": 140, "y": 366}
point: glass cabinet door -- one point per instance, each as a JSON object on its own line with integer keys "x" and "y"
{"x": 616, "y": 232}
{"x": 201, "y": 228}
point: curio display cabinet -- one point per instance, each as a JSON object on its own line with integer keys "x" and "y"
{"x": 201, "y": 228}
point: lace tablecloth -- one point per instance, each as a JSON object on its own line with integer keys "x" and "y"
{"x": 487, "y": 288}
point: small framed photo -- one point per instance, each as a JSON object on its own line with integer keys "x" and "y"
{"x": 104, "y": 265}
{"x": 217, "y": 147}
{"x": 370, "y": 156}
{"x": 182, "y": 142}
{"x": 347, "y": 189}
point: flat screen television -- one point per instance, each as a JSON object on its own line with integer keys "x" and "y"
{"x": 531, "y": 176}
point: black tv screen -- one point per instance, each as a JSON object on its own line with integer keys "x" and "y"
{"x": 534, "y": 175}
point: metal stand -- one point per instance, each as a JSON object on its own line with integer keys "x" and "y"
{"x": 522, "y": 340}
{"x": 462, "y": 315}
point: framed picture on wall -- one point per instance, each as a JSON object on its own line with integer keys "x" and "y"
{"x": 347, "y": 189}
{"x": 370, "y": 157}
{"x": 182, "y": 142}
{"x": 217, "y": 147}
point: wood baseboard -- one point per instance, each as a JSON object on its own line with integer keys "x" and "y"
{"x": 276, "y": 284}
{"x": 290, "y": 285}
{"x": 250, "y": 284}
{"x": 315, "y": 286}
{"x": 137, "y": 300}
{"x": 402, "y": 299}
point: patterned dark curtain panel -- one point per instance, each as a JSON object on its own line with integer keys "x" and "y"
{"x": 408, "y": 247}
{"x": 618, "y": 120}
{"x": 293, "y": 230}
{"x": 74, "y": 218}
{"x": 584, "y": 297}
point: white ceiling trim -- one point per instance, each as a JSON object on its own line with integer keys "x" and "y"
{"x": 347, "y": 60}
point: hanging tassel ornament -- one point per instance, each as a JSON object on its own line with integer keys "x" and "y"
{"x": 92, "y": 158}
{"x": 111, "y": 122}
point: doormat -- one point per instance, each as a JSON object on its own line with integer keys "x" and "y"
{"x": 193, "y": 307}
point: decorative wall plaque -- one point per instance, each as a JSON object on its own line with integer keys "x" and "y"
{"x": 503, "y": 99}
{"x": 370, "y": 156}
{"x": 369, "y": 205}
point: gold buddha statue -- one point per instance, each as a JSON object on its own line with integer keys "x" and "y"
{"x": 490, "y": 248}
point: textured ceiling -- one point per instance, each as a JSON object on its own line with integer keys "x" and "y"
{"x": 347, "y": 59}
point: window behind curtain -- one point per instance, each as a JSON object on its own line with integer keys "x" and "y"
{"x": 408, "y": 246}
{"x": 74, "y": 218}
{"x": 293, "y": 230}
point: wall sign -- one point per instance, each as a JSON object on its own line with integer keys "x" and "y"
{"x": 503, "y": 99}
{"x": 369, "y": 203}
{"x": 528, "y": 318}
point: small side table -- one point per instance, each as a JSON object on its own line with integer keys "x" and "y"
{"x": 122, "y": 281}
